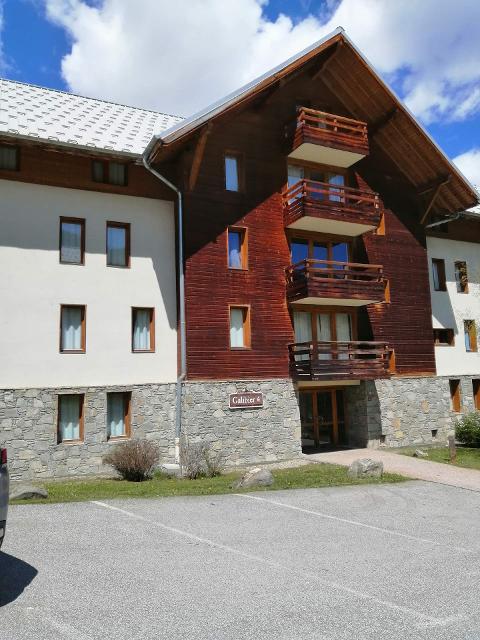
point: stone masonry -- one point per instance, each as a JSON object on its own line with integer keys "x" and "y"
{"x": 28, "y": 428}
{"x": 244, "y": 436}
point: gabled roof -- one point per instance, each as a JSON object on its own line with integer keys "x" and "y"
{"x": 60, "y": 118}
{"x": 394, "y": 131}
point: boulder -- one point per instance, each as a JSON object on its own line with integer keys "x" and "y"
{"x": 256, "y": 477}
{"x": 418, "y": 453}
{"x": 27, "y": 492}
{"x": 365, "y": 468}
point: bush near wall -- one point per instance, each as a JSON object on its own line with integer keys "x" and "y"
{"x": 467, "y": 429}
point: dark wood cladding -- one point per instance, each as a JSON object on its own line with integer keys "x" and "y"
{"x": 330, "y": 130}
{"x": 331, "y": 202}
{"x": 312, "y": 361}
{"x": 335, "y": 280}
{"x": 39, "y": 164}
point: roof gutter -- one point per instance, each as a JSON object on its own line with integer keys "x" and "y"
{"x": 181, "y": 287}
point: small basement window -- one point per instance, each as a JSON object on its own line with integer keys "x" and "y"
{"x": 118, "y": 415}
{"x": 443, "y": 337}
{"x": 70, "y": 418}
{"x": 456, "y": 403}
{"x": 9, "y": 157}
{"x": 109, "y": 172}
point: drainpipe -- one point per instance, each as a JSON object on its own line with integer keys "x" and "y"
{"x": 181, "y": 287}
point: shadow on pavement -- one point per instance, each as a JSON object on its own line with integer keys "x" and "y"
{"x": 15, "y": 576}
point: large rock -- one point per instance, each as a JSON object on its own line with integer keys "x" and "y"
{"x": 256, "y": 477}
{"x": 28, "y": 492}
{"x": 365, "y": 468}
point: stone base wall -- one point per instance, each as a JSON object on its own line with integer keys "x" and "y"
{"x": 28, "y": 428}
{"x": 404, "y": 411}
{"x": 244, "y": 436}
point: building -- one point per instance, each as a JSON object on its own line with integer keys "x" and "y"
{"x": 302, "y": 288}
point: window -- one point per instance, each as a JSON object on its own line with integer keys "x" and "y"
{"x": 72, "y": 240}
{"x": 239, "y": 327}
{"x": 444, "y": 337}
{"x": 476, "y": 394}
{"x": 336, "y": 181}
{"x": 72, "y": 328}
{"x": 455, "y": 395}
{"x": 9, "y": 157}
{"x": 303, "y": 249}
{"x": 237, "y": 248}
{"x": 109, "y": 172}
{"x": 118, "y": 415}
{"x": 470, "y": 333}
{"x": 70, "y": 417}
{"x": 438, "y": 271}
{"x": 143, "y": 329}
{"x": 461, "y": 277}
{"x": 233, "y": 172}
{"x": 118, "y": 244}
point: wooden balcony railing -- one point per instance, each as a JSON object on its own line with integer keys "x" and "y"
{"x": 332, "y": 202}
{"x": 336, "y": 280}
{"x": 326, "y": 129}
{"x": 340, "y": 360}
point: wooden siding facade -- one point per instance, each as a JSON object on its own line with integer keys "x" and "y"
{"x": 257, "y": 136}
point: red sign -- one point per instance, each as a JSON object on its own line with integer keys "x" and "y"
{"x": 246, "y": 400}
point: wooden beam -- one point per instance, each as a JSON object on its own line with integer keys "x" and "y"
{"x": 328, "y": 61}
{"x": 382, "y": 122}
{"x": 198, "y": 156}
{"x": 432, "y": 200}
{"x": 422, "y": 190}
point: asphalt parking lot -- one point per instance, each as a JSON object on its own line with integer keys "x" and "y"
{"x": 393, "y": 561}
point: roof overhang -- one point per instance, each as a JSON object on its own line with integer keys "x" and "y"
{"x": 393, "y": 128}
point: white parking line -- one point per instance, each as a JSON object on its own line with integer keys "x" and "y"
{"x": 422, "y": 619}
{"x": 355, "y": 523}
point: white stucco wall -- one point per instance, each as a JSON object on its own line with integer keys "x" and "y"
{"x": 450, "y": 308}
{"x": 33, "y": 284}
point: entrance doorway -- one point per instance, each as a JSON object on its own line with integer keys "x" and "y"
{"x": 322, "y": 416}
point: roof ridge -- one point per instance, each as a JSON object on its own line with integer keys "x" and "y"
{"x": 77, "y": 95}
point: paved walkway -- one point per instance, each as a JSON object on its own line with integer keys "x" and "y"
{"x": 406, "y": 466}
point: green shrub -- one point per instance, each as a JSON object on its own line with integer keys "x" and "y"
{"x": 134, "y": 460}
{"x": 467, "y": 429}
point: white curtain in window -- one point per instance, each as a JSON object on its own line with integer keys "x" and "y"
{"x": 295, "y": 173}
{"x": 344, "y": 330}
{"x": 324, "y": 333}
{"x": 302, "y": 324}
{"x": 116, "y": 246}
{"x": 70, "y": 417}
{"x": 237, "y": 338}
{"x": 71, "y": 328}
{"x": 115, "y": 415}
{"x": 141, "y": 330}
{"x": 336, "y": 179}
{"x": 71, "y": 250}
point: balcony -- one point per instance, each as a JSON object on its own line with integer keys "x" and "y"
{"x": 329, "y": 139}
{"x": 330, "y": 208}
{"x": 316, "y": 361}
{"x": 335, "y": 283}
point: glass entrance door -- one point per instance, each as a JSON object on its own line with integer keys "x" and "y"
{"x": 322, "y": 418}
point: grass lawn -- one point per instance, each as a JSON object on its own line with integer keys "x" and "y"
{"x": 466, "y": 457}
{"x": 303, "y": 477}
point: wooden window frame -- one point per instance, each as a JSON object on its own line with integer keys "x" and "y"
{"x": 17, "y": 157}
{"x": 247, "y": 329}
{"x": 458, "y": 281}
{"x": 127, "y": 227}
{"x": 81, "y": 429}
{"x": 83, "y": 348}
{"x": 331, "y": 311}
{"x": 106, "y": 172}
{"x": 455, "y": 395}
{"x": 472, "y": 332}
{"x": 436, "y": 340}
{"x": 243, "y": 231}
{"x": 442, "y": 278}
{"x": 308, "y": 167}
{"x": 127, "y": 416}
{"x": 326, "y": 240}
{"x": 476, "y": 393}
{"x": 81, "y": 222}
{"x": 240, "y": 156}
{"x": 152, "y": 329}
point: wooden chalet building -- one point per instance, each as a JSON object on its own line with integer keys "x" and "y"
{"x": 302, "y": 203}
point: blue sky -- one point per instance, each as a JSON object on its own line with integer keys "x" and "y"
{"x": 109, "y": 37}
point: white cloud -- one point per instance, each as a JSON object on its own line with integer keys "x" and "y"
{"x": 469, "y": 165}
{"x": 180, "y": 56}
